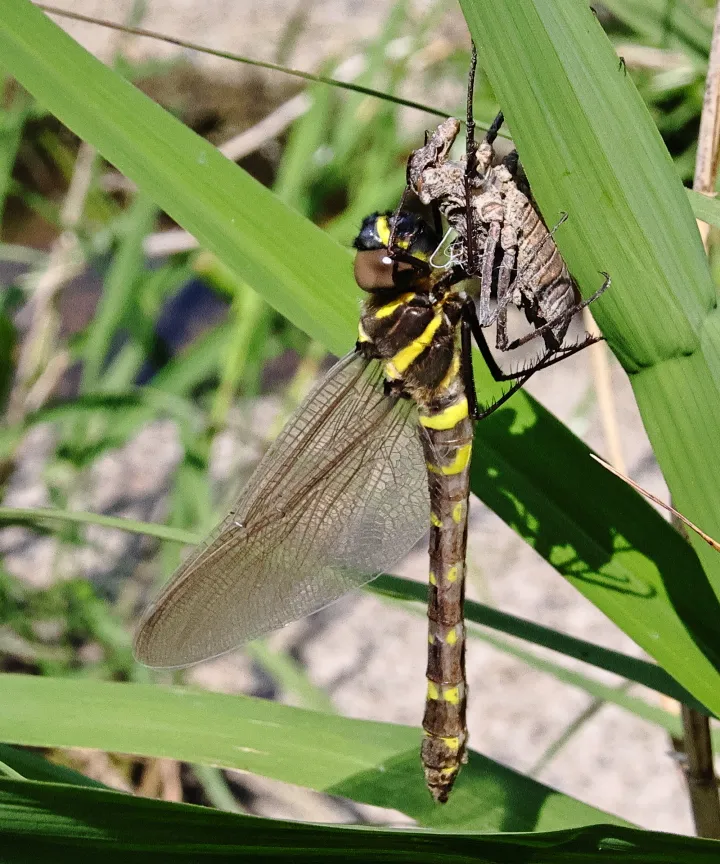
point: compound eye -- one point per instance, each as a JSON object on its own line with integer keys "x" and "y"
{"x": 374, "y": 270}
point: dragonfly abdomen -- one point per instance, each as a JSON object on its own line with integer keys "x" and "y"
{"x": 413, "y": 329}
{"x": 448, "y": 444}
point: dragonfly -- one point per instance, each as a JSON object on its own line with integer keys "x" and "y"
{"x": 376, "y": 455}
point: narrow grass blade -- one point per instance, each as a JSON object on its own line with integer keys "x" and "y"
{"x": 40, "y": 516}
{"x": 635, "y": 670}
{"x": 119, "y": 285}
{"x": 238, "y": 58}
{"x": 632, "y": 668}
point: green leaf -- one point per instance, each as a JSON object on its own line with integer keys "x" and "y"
{"x": 51, "y": 822}
{"x": 229, "y": 212}
{"x": 13, "y": 115}
{"x": 590, "y": 149}
{"x": 599, "y": 691}
{"x": 34, "y": 767}
{"x": 376, "y": 763}
{"x": 118, "y": 289}
{"x": 8, "y": 338}
{"x": 707, "y": 209}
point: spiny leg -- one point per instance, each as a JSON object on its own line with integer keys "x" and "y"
{"x": 563, "y": 316}
{"x": 501, "y": 334}
{"x": 470, "y": 143}
{"x": 470, "y": 162}
{"x": 482, "y": 413}
{"x": 468, "y": 376}
{"x": 491, "y": 134}
{"x": 558, "y": 354}
{"x": 466, "y": 367}
{"x": 470, "y": 326}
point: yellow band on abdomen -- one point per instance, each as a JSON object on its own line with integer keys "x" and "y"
{"x": 447, "y": 418}
{"x": 459, "y": 463}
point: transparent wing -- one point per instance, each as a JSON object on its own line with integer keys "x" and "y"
{"x": 340, "y": 496}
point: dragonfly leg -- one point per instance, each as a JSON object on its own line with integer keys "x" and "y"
{"x": 568, "y": 313}
{"x": 466, "y": 367}
{"x": 467, "y": 333}
{"x": 470, "y": 321}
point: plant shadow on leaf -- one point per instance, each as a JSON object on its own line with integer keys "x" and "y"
{"x": 606, "y": 544}
{"x": 52, "y": 822}
{"x": 487, "y": 797}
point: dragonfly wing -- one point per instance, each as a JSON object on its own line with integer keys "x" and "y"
{"x": 340, "y": 496}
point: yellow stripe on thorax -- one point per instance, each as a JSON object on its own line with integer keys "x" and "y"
{"x": 459, "y": 463}
{"x": 362, "y": 335}
{"x": 448, "y": 417}
{"x": 383, "y": 230}
{"x": 395, "y": 367}
{"x": 389, "y": 308}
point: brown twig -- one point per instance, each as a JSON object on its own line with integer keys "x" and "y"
{"x": 700, "y": 773}
{"x": 706, "y": 161}
{"x": 699, "y": 768}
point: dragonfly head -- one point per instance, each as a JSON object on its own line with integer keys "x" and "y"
{"x": 384, "y": 253}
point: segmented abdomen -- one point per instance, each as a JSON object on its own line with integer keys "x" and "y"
{"x": 420, "y": 348}
{"x": 541, "y": 267}
{"x": 448, "y": 445}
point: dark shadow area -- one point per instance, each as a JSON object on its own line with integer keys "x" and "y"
{"x": 612, "y": 529}
{"x": 487, "y": 797}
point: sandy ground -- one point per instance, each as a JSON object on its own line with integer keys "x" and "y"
{"x": 367, "y": 655}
